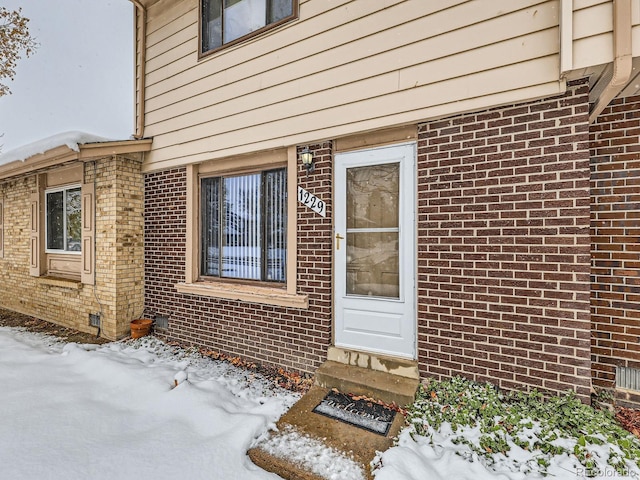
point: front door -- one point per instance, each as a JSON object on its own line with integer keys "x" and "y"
{"x": 374, "y": 246}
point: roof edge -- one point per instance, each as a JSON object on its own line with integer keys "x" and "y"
{"x": 64, "y": 154}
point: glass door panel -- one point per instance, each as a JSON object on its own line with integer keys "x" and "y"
{"x": 373, "y": 264}
{"x": 373, "y": 196}
{"x": 373, "y": 230}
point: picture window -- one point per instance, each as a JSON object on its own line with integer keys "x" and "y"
{"x": 243, "y": 226}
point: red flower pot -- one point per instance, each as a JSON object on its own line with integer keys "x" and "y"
{"x": 140, "y": 327}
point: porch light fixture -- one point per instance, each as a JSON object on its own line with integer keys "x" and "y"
{"x": 306, "y": 157}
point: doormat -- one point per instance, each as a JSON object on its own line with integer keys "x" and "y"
{"x": 359, "y": 413}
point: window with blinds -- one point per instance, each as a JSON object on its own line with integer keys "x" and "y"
{"x": 243, "y": 225}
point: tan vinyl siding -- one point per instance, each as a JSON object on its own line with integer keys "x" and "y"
{"x": 591, "y": 18}
{"x": 343, "y": 67}
{"x": 593, "y": 32}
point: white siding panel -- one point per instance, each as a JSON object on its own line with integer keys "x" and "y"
{"x": 593, "y": 32}
{"x": 186, "y": 46}
{"x": 635, "y": 41}
{"x": 347, "y": 28}
{"x": 343, "y": 67}
{"x": 163, "y": 15}
{"x": 177, "y": 32}
{"x": 325, "y": 90}
{"x": 514, "y": 51}
{"x": 181, "y": 15}
{"x": 635, "y": 32}
{"x": 593, "y": 50}
{"x": 331, "y": 120}
{"x": 369, "y": 125}
{"x": 272, "y": 42}
{"x": 197, "y": 126}
{"x": 316, "y": 53}
{"x": 403, "y": 48}
{"x": 593, "y": 21}
{"x": 581, "y": 4}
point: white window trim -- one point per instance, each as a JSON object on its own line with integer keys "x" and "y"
{"x": 280, "y": 295}
{"x": 46, "y": 232}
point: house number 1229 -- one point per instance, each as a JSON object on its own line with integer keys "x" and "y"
{"x": 311, "y": 201}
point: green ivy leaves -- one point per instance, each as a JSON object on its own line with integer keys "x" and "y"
{"x": 530, "y": 421}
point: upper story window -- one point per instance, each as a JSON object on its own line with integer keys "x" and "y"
{"x": 228, "y": 21}
{"x": 63, "y": 219}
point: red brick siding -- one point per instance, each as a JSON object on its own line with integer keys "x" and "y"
{"x": 503, "y": 255}
{"x": 292, "y": 338}
{"x": 503, "y": 245}
{"x": 615, "y": 244}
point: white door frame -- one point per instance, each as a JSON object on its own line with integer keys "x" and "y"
{"x": 375, "y": 324}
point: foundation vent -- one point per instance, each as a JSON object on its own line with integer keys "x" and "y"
{"x": 628, "y": 378}
{"x": 94, "y": 320}
{"x": 161, "y": 321}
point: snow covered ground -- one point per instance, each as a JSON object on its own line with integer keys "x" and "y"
{"x": 104, "y": 412}
{"x": 419, "y": 458}
{"x": 114, "y": 411}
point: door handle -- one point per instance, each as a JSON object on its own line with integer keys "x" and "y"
{"x": 338, "y": 238}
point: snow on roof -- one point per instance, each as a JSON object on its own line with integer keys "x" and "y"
{"x": 70, "y": 139}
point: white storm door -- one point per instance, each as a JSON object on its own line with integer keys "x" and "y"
{"x": 374, "y": 250}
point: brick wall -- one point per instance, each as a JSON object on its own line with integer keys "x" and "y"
{"x": 19, "y": 291}
{"x": 503, "y": 255}
{"x": 293, "y": 338}
{"x": 615, "y": 248}
{"x": 119, "y": 242}
{"x": 503, "y": 245}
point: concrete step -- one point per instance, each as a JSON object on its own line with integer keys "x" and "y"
{"x": 373, "y": 361}
{"x": 387, "y": 379}
{"x": 383, "y": 386}
{"x": 358, "y": 444}
{"x": 280, "y": 466}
